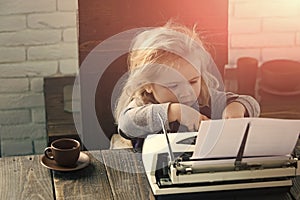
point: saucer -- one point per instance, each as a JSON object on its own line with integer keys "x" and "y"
{"x": 82, "y": 162}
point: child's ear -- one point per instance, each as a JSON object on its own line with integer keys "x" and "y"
{"x": 148, "y": 88}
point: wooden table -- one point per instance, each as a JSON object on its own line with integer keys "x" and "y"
{"x": 24, "y": 177}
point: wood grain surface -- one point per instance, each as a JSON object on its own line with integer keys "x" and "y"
{"x": 295, "y": 190}
{"x": 88, "y": 183}
{"x": 126, "y": 175}
{"x": 24, "y": 178}
{"x": 112, "y": 174}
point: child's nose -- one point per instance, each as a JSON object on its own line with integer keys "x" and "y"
{"x": 186, "y": 92}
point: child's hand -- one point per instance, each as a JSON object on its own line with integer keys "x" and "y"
{"x": 234, "y": 110}
{"x": 186, "y": 116}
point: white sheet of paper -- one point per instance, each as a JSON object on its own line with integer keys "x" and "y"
{"x": 266, "y": 137}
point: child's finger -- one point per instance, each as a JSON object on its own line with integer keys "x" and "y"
{"x": 204, "y": 117}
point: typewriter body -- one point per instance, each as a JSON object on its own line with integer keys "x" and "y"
{"x": 171, "y": 169}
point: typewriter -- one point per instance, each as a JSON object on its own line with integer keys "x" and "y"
{"x": 171, "y": 167}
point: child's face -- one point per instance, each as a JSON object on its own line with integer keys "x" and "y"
{"x": 177, "y": 84}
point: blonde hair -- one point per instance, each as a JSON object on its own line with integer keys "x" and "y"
{"x": 163, "y": 45}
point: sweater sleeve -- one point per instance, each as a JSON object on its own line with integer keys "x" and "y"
{"x": 251, "y": 105}
{"x": 139, "y": 121}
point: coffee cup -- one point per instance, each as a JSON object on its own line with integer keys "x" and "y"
{"x": 64, "y": 151}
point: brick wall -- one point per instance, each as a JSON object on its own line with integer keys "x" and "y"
{"x": 264, "y": 29}
{"x": 37, "y": 39}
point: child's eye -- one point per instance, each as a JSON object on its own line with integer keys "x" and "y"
{"x": 194, "y": 81}
{"x": 172, "y": 85}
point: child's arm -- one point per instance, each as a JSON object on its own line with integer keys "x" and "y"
{"x": 139, "y": 121}
{"x": 234, "y": 110}
{"x": 241, "y": 106}
{"x": 185, "y": 115}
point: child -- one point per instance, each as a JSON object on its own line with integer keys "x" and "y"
{"x": 171, "y": 74}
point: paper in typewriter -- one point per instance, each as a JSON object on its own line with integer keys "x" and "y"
{"x": 266, "y": 137}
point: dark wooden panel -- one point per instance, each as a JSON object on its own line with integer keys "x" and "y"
{"x": 103, "y": 97}
{"x": 101, "y": 19}
{"x": 59, "y": 122}
{"x": 88, "y": 183}
{"x": 276, "y": 106}
{"x": 24, "y": 178}
{"x": 54, "y": 99}
{"x": 272, "y": 106}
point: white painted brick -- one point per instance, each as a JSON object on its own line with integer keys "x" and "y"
{"x": 279, "y": 36}
{"x": 12, "y": 117}
{"x": 67, "y": 5}
{"x": 266, "y": 8}
{"x": 14, "y": 85}
{"x": 12, "y": 54}
{"x": 234, "y": 54}
{"x": 37, "y": 84}
{"x": 238, "y": 1}
{"x": 39, "y": 145}
{"x": 12, "y": 23}
{"x": 38, "y": 115}
{"x": 29, "y": 69}
{"x": 58, "y": 51}
{"x": 244, "y": 26}
{"x": 30, "y": 37}
{"x": 69, "y": 66}
{"x": 281, "y": 24}
{"x": 16, "y": 147}
{"x": 21, "y": 100}
{"x": 263, "y": 40}
{"x": 281, "y": 53}
{"x": 70, "y": 35}
{"x": 29, "y": 6}
{"x": 23, "y": 131}
{"x": 52, "y": 20}
{"x": 230, "y": 9}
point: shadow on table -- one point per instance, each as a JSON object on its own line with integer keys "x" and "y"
{"x": 95, "y": 168}
{"x": 257, "y": 194}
